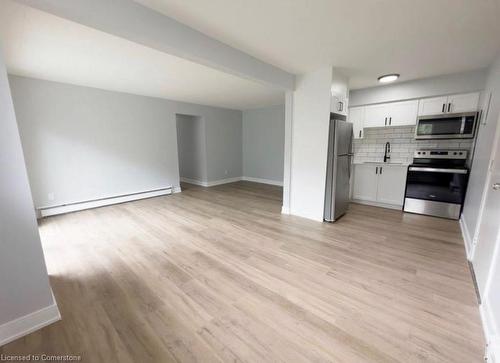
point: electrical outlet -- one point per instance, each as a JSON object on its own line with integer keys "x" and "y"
{"x": 50, "y": 196}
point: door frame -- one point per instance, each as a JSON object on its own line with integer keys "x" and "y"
{"x": 487, "y": 182}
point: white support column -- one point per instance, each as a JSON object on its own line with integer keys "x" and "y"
{"x": 309, "y": 143}
{"x": 26, "y": 301}
{"x": 307, "y": 121}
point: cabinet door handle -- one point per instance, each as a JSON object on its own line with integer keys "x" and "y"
{"x": 442, "y": 109}
{"x": 386, "y": 121}
{"x": 360, "y": 133}
{"x": 376, "y": 170}
{"x": 339, "y": 107}
{"x": 380, "y": 170}
{"x": 390, "y": 120}
{"x": 449, "y": 107}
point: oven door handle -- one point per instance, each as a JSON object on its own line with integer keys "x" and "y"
{"x": 438, "y": 170}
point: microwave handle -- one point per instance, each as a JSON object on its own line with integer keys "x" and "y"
{"x": 462, "y": 126}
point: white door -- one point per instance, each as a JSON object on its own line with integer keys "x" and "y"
{"x": 391, "y": 184}
{"x": 356, "y": 116}
{"x": 489, "y": 221}
{"x": 365, "y": 182}
{"x": 403, "y": 113}
{"x": 432, "y": 106}
{"x": 376, "y": 115}
{"x": 467, "y": 102}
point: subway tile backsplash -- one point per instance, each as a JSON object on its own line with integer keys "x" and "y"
{"x": 403, "y": 144}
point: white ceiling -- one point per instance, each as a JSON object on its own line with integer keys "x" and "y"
{"x": 40, "y": 45}
{"x": 366, "y": 38}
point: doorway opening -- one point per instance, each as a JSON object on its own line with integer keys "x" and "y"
{"x": 191, "y": 147}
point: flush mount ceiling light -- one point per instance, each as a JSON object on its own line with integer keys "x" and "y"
{"x": 387, "y": 78}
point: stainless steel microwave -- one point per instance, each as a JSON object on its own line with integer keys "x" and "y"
{"x": 448, "y": 126}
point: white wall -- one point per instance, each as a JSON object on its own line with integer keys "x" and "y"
{"x": 24, "y": 284}
{"x": 484, "y": 144}
{"x": 309, "y": 143}
{"x": 83, "y": 143}
{"x": 192, "y": 147}
{"x": 263, "y": 143}
{"x": 224, "y": 152}
{"x": 427, "y": 87}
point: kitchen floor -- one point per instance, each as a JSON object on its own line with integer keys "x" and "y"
{"x": 218, "y": 274}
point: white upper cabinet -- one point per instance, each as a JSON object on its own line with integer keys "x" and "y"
{"x": 376, "y": 115}
{"x": 391, "y": 114}
{"x": 465, "y": 102}
{"x": 340, "y": 94}
{"x": 356, "y": 116}
{"x": 339, "y": 104}
{"x": 403, "y": 113}
{"x": 432, "y": 106}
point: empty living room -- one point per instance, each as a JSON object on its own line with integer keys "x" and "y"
{"x": 250, "y": 181}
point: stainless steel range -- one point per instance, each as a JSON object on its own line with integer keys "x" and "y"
{"x": 436, "y": 183}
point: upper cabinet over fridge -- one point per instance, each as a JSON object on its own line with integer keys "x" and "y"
{"x": 340, "y": 94}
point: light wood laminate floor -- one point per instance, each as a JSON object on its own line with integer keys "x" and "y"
{"x": 218, "y": 274}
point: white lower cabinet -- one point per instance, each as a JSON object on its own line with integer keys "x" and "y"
{"x": 365, "y": 182}
{"x": 391, "y": 184}
{"x": 379, "y": 183}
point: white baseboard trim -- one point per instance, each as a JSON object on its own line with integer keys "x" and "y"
{"x": 466, "y": 237}
{"x": 307, "y": 215}
{"x": 194, "y": 181}
{"x": 223, "y": 181}
{"x": 285, "y": 210}
{"x": 263, "y": 181}
{"x": 210, "y": 183}
{"x": 77, "y": 206}
{"x": 377, "y": 204}
{"x": 28, "y": 324}
{"x": 491, "y": 336}
{"x": 203, "y": 183}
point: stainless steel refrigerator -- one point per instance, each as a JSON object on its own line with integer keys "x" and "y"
{"x": 338, "y": 168}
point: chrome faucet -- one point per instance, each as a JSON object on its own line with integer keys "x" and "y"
{"x": 387, "y": 151}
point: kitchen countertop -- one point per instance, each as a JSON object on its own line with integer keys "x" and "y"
{"x": 380, "y": 162}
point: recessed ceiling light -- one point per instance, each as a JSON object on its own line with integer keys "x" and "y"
{"x": 386, "y": 78}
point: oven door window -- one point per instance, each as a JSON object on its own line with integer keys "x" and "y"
{"x": 459, "y": 125}
{"x": 436, "y": 186}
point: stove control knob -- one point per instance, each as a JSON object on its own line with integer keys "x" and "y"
{"x": 455, "y": 153}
